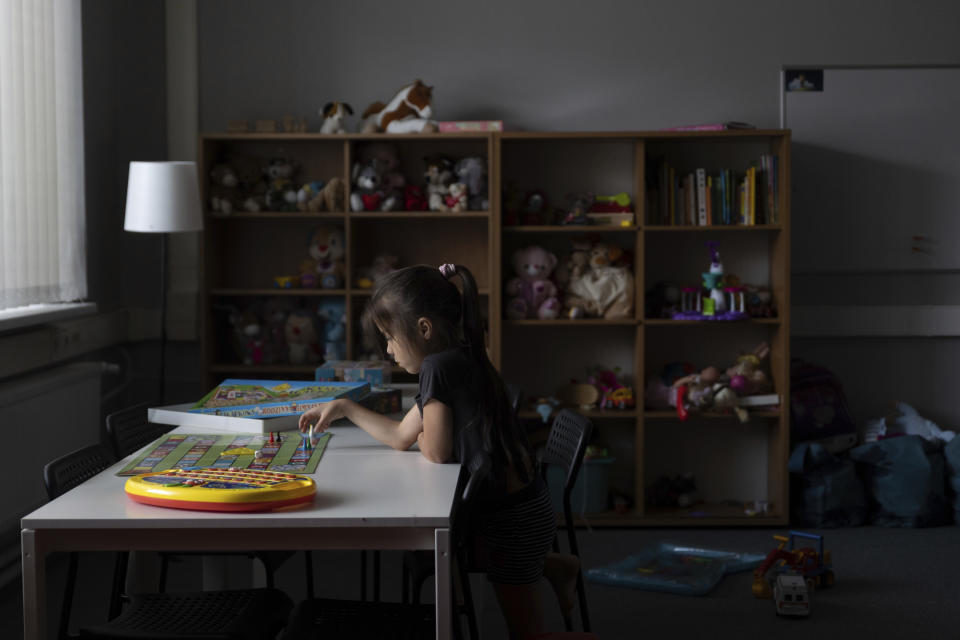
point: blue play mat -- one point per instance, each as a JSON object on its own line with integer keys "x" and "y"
{"x": 674, "y": 569}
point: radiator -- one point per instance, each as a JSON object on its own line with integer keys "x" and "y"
{"x": 42, "y": 416}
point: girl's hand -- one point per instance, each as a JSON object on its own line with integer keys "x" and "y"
{"x": 321, "y": 417}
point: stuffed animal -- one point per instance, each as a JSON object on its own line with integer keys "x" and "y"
{"x": 334, "y": 317}
{"x": 409, "y": 111}
{"x": 276, "y": 310}
{"x": 747, "y": 376}
{"x": 253, "y": 187}
{"x": 472, "y": 171}
{"x": 281, "y": 194}
{"x": 334, "y": 114}
{"x": 385, "y": 159}
{"x": 438, "y": 176}
{"x": 456, "y": 198}
{"x": 301, "y": 336}
{"x": 603, "y": 290}
{"x": 325, "y": 266}
{"x": 532, "y": 294}
{"x": 316, "y": 196}
{"x": 248, "y": 336}
{"x": 367, "y": 194}
{"x": 224, "y": 189}
{"x": 382, "y": 265}
{"x": 413, "y": 198}
{"x": 308, "y": 193}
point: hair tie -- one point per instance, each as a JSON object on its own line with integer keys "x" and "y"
{"x": 448, "y": 270}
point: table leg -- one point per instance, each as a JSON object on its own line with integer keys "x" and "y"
{"x": 443, "y": 593}
{"x": 34, "y": 575}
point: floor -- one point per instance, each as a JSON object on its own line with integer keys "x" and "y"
{"x": 891, "y": 583}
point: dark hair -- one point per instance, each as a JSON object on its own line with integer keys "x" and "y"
{"x": 403, "y": 296}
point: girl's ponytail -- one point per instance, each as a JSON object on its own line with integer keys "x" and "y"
{"x": 502, "y": 434}
{"x": 470, "y": 315}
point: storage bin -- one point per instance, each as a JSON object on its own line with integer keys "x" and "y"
{"x": 589, "y": 493}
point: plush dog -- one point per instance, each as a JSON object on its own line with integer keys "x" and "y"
{"x": 325, "y": 266}
{"x": 472, "y": 170}
{"x": 409, "y": 111}
{"x": 438, "y": 176}
{"x": 334, "y": 114}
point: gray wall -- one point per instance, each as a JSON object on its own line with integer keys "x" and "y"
{"x": 545, "y": 65}
{"x": 601, "y": 65}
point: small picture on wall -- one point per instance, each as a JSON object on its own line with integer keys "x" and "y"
{"x": 803, "y": 80}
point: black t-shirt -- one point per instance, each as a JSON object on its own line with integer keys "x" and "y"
{"x": 453, "y": 378}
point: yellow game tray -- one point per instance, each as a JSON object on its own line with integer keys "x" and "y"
{"x": 218, "y": 489}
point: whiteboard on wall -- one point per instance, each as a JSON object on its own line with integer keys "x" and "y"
{"x": 875, "y": 175}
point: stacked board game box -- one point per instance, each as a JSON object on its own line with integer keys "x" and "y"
{"x": 274, "y": 398}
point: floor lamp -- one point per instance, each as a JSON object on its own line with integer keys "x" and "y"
{"x": 164, "y": 198}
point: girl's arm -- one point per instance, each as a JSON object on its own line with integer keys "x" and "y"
{"x": 398, "y": 435}
{"x": 436, "y": 438}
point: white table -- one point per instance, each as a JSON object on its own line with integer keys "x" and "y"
{"x": 368, "y": 497}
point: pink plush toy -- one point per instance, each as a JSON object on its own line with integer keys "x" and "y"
{"x": 532, "y": 293}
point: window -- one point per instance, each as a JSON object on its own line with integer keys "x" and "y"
{"x": 42, "y": 254}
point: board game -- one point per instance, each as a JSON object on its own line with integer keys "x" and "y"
{"x": 221, "y": 489}
{"x": 270, "y": 398}
{"x": 230, "y": 450}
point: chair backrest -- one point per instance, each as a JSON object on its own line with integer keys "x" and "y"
{"x": 128, "y": 430}
{"x": 515, "y": 394}
{"x": 66, "y": 472}
{"x": 471, "y": 480}
{"x": 566, "y": 445}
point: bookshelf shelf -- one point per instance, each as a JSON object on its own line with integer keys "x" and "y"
{"x": 580, "y": 229}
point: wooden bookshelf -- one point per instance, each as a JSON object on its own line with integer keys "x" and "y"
{"x": 242, "y": 253}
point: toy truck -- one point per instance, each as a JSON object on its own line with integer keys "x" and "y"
{"x": 790, "y": 595}
{"x": 813, "y": 566}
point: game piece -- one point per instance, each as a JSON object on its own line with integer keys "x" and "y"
{"x": 212, "y": 489}
{"x": 258, "y": 454}
{"x": 271, "y": 437}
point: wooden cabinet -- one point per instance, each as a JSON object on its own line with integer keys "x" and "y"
{"x": 243, "y": 252}
{"x": 737, "y": 467}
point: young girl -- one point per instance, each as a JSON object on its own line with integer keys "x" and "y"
{"x": 429, "y": 328}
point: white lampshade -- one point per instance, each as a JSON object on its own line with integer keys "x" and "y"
{"x": 163, "y": 197}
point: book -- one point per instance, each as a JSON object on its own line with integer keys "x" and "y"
{"x": 460, "y": 126}
{"x": 273, "y": 398}
{"x": 712, "y": 126}
{"x": 702, "y": 197}
{"x": 760, "y": 400}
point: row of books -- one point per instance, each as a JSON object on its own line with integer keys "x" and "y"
{"x": 723, "y": 197}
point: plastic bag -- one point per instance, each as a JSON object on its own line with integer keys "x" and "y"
{"x": 906, "y": 481}
{"x": 825, "y": 490}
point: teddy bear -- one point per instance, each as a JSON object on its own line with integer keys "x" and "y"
{"x": 325, "y": 266}
{"x": 472, "y": 171}
{"x": 281, "y": 195}
{"x": 602, "y": 290}
{"x": 334, "y": 332}
{"x": 301, "y": 335}
{"x": 252, "y": 187}
{"x": 224, "y": 189}
{"x": 532, "y": 293}
{"x": 382, "y": 265}
{"x": 456, "y": 198}
{"x": 385, "y": 160}
{"x": 248, "y": 336}
{"x": 438, "y": 176}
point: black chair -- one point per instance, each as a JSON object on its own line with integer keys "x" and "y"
{"x": 130, "y": 429}
{"x": 418, "y": 565}
{"x": 316, "y": 618}
{"x": 564, "y": 449}
{"x": 248, "y": 614}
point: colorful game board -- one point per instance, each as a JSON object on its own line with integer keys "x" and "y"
{"x": 272, "y": 398}
{"x": 223, "y": 451}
